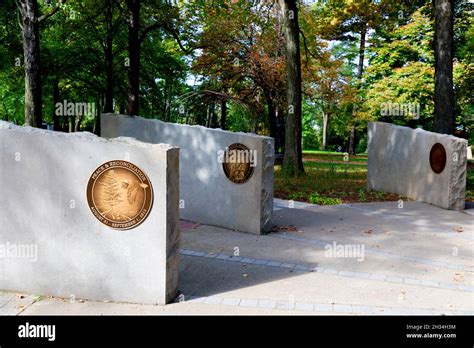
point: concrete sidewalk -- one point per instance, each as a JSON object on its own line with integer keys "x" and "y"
{"x": 412, "y": 260}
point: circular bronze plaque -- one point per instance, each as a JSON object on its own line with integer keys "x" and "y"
{"x": 437, "y": 158}
{"x": 120, "y": 195}
{"x": 238, "y": 163}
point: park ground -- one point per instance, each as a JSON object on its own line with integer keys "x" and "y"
{"x": 290, "y": 270}
{"x": 331, "y": 178}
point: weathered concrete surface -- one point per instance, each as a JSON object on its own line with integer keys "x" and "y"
{"x": 288, "y": 272}
{"x": 399, "y": 162}
{"x": 43, "y": 205}
{"x": 206, "y": 193}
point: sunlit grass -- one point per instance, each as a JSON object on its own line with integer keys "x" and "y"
{"x": 331, "y": 180}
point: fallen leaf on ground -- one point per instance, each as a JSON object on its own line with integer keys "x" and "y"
{"x": 284, "y": 228}
{"x": 458, "y": 277}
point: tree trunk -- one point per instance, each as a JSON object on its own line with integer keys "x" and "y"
{"x": 56, "y": 123}
{"x": 223, "y": 113}
{"x": 352, "y": 141}
{"x": 325, "y": 127}
{"x": 165, "y": 100}
{"x": 134, "y": 56}
{"x": 31, "y": 52}
{"x": 96, "y": 129}
{"x": 77, "y": 127}
{"x": 293, "y": 159}
{"x": 169, "y": 100}
{"x": 360, "y": 72}
{"x": 360, "y": 67}
{"x": 271, "y": 116}
{"x": 72, "y": 120}
{"x": 109, "y": 67}
{"x": 208, "y": 116}
{"x": 214, "y": 123}
{"x": 444, "y": 91}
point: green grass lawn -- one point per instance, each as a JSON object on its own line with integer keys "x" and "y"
{"x": 320, "y": 152}
{"x": 331, "y": 180}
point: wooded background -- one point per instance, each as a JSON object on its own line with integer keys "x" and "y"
{"x": 309, "y": 73}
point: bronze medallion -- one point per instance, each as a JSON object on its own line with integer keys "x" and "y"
{"x": 120, "y": 195}
{"x": 238, "y": 163}
{"x": 437, "y": 158}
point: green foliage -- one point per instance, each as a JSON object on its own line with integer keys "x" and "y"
{"x": 315, "y": 198}
{"x": 401, "y": 73}
{"x": 311, "y": 133}
{"x": 296, "y": 195}
{"x": 362, "y": 144}
{"x": 241, "y": 59}
{"x": 362, "y": 196}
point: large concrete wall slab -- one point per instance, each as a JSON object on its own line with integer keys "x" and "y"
{"x": 43, "y": 206}
{"x": 207, "y": 195}
{"x": 399, "y": 162}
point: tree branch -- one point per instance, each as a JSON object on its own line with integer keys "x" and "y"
{"x": 170, "y": 30}
{"x": 20, "y": 13}
{"x": 306, "y": 46}
{"x": 174, "y": 33}
{"x": 52, "y": 12}
{"x": 149, "y": 29}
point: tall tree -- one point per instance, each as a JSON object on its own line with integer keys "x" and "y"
{"x": 103, "y": 23}
{"x": 243, "y": 56}
{"x": 163, "y": 16}
{"x": 30, "y": 26}
{"x": 349, "y": 20}
{"x": 444, "y": 51}
{"x": 133, "y": 7}
{"x": 401, "y": 72}
{"x": 109, "y": 57}
{"x": 292, "y": 159}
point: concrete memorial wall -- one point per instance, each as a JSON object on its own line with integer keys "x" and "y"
{"x": 216, "y": 187}
{"x": 85, "y": 217}
{"x": 417, "y": 164}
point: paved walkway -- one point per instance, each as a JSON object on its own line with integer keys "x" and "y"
{"x": 417, "y": 259}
